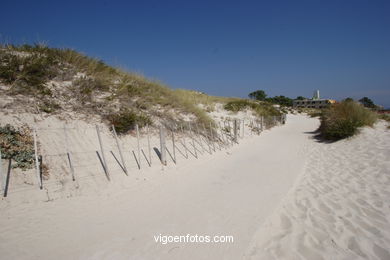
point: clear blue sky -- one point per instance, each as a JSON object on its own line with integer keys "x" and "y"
{"x": 225, "y": 48}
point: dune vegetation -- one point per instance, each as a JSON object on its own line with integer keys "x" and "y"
{"x": 64, "y": 79}
{"x": 343, "y": 120}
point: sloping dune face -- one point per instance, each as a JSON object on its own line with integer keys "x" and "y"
{"x": 340, "y": 209}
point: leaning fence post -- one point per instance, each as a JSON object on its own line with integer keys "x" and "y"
{"x": 68, "y": 153}
{"x": 173, "y": 146}
{"x": 200, "y": 138}
{"x": 1, "y": 172}
{"x": 119, "y": 149}
{"x": 102, "y": 151}
{"x": 184, "y": 141}
{"x": 149, "y": 150}
{"x": 36, "y": 159}
{"x": 207, "y": 141}
{"x": 262, "y": 123}
{"x": 243, "y": 128}
{"x": 7, "y": 178}
{"x": 235, "y": 130}
{"x": 138, "y": 148}
{"x": 163, "y": 152}
{"x": 212, "y": 136}
{"x": 193, "y": 141}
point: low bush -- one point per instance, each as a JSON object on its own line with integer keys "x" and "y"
{"x": 17, "y": 145}
{"x": 48, "y": 106}
{"x": 342, "y": 120}
{"x": 260, "y": 108}
{"x": 124, "y": 121}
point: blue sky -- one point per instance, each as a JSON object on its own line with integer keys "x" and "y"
{"x": 225, "y": 48}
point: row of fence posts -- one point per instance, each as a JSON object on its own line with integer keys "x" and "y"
{"x": 222, "y": 139}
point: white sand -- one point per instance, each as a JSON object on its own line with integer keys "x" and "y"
{"x": 232, "y": 192}
{"x": 228, "y": 193}
{"x": 340, "y": 208}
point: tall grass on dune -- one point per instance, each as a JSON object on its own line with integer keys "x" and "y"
{"x": 343, "y": 120}
{"x": 123, "y": 98}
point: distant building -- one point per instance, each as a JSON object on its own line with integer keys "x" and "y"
{"x": 315, "y": 102}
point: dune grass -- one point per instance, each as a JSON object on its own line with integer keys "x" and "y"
{"x": 342, "y": 120}
{"x": 259, "y": 108}
{"x": 28, "y": 68}
{"x": 101, "y": 89}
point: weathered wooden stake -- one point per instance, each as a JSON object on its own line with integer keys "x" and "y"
{"x": 36, "y": 159}
{"x": 262, "y": 123}
{"x": 193, "y": 141}
{"x": 149, "y": 149}
{"x": 184, "y": 141}
{"x": 7, "y": 178}
{"x": 68, "y": 153}
{"x": 138, "y": 148}
{"x": 163, "y": 152}
{"x": 212, "y": 136}
{"x": 119, "y": 149}
{"x": 173, "y": 147}
{"x": 2, "y": 181}
{"x": 243, "y": 128}
{"x": 235, "y": 130}
{"x": 102, "y": 151}
{"x": 207, "y": 141}
{"x": 199, "y": 137}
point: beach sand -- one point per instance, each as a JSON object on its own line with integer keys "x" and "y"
{"x": 280, "y": 195}
{"x": 340, "y": 207}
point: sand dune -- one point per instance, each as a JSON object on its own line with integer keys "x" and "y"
{"x": 340, "y": 208}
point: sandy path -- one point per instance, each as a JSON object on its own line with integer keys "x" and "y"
{"x": 229, "y": 193}
{"x": 340, "y": 209}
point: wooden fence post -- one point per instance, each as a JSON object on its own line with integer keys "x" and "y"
{"x": 36, "y": 159}
{"x": 102, "y": 151}
{"x": 262, "y": 123}
{"x": 68, "y": 153}
{"x": 193, "y": 141}
{"x": 207, "y": 141}
{"x": 138, "y": 146}
{"x": 149, "y": 149}
{"x": 163, "y": 152}
{"x": 119, "y": 149}
{"x": 7, "y": 178}
{"x": 243, "y": 128}
{"x": 2, "y": 182}
{"x": 212, "y": 136}
{"x": 184, "y": 141}
{"x": 173, "y": 146}
{"x": 235, "y": 125}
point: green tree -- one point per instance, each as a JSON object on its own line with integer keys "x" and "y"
{"x": 281, "y": 100}
{"x": 258, "y": 95}
{"x": 348, "y": 99}
{"x": 367, "y": 102}
{"x": 300, "y": 98}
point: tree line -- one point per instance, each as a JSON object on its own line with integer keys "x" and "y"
{"x": 260, "y": 95}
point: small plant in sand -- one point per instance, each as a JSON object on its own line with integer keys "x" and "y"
{"x": 17, "y": 144}
{"x": 126, "y": 120}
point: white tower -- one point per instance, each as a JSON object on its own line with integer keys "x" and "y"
{"x": 316, "y": 95}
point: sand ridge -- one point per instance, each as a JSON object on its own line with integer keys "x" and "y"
{"x": 340, "y": 208}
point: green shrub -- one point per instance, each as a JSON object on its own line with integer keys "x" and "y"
{"x": 343, "y": 120}
{"x": 17, "y": 145}
{"x": 385, "y": 117}
{"x": 49, "y": 106}
{"x": 125, "y": 121}
{"x": 260, "y": 108}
